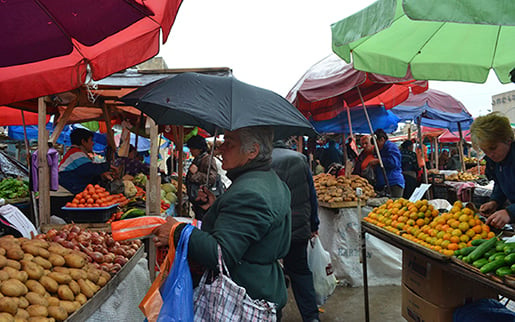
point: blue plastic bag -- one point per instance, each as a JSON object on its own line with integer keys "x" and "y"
{"x": 177, "y": 290}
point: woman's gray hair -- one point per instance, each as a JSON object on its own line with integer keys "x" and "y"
{"x": 260, "y": 135}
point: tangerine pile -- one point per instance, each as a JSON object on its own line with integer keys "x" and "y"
{"x": 422, "y": 224}
{"x": 95, "y": 196}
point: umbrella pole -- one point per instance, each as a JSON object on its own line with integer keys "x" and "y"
{"x": 29, "y": 166}
{"x": 211, "y": 154}
{"x": 437, "y": 156}
{"x": 419, "y": 130}
{"x": 388, "y": 191}
{"x": 180, "y": 145}
{"x": 462, "y": 159}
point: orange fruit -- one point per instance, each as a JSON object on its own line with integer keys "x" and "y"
{"x": 420, "y": 222}
{"x": 452, "y": 246}
{"x": 445, "y": 243}
{"x": 491, "y": 235}
{"x": 463, "y": 226}
{"x": 446, "y": 236}
{"x": 477, "y": 229}
{"x": 456, "y": 232}
{"x": 455, "y": 239}
{"x": 464, "y": 238}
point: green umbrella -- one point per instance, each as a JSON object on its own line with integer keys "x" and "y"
{"x": 449, "y": 40}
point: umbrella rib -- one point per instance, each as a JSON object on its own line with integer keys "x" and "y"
{"x": 427, "y": 41}
{"x": 496, "y": 43}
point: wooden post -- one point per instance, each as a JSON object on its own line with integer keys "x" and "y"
{"x": 460, "y": 149}
{"x": 110, "y": 133}
{"x": 44, "y": 177}
{"x": 153, "y": 193}
{"x": 437, "y": 153}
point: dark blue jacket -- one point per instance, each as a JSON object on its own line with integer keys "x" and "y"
{"x": 503, "y": 174}
{"x": 391, "y": 157}
{"x": 293, "y": 168}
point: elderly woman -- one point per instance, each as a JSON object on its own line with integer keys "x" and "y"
{"x": 251, "y": 221}
{"x": 493, "y": 134}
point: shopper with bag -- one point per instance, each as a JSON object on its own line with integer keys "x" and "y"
{"x": 293, "y": 168}
{"x": 198, "y": 172}
{"x": 249, "y": 225}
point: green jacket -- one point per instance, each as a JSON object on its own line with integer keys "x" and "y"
{"x": 252, "y": 223}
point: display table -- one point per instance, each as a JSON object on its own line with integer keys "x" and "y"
{"x": 447, "y": 263}
{"x": 118, "y": 300}
{"x": 339, "y": 233}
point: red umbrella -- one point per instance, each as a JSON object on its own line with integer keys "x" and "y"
{"x": 13, "y": 116}
{"x": 50, "y": 46}
{"x": 331, "y": 85}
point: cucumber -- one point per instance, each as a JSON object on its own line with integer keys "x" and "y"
{"x": 499, "y": 245}
{"x": 496, "y": 256}
{"x": 504, "y": 270}
{"x": 509, "y": 248}
{"x": 513, "y": 268}
{"x": 480, "y": 262}
{"x": 510, "y": 259}
{"x": 477, "y": 242}
{"x": 467, "y": 250}
{"x": 482, "y": 249}
{"x": 133, "y": 213}
{"x": 490, "y": 252}
{"x": 492, "y": 266}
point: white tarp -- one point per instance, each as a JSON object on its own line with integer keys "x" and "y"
{"x": 340, "y": 233}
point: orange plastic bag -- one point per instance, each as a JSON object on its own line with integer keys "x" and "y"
{"x": 152, "y": 302}
{"x": 139, "y": 227}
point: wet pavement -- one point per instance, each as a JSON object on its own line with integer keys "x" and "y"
{"x": 347, "y": 304}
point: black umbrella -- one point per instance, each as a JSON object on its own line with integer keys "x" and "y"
{"x": 217, "y": 103}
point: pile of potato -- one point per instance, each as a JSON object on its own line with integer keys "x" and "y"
{"x": 462, "y": 176}
{"x": 332, "y": 189}
{"x": 44, "y": 281}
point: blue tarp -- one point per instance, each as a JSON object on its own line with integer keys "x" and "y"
{"x": 379, "y": 117}
{"x": 432, "y": 117}
{"x": 16, "y": 133}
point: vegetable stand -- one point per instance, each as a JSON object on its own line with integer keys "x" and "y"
{"x": 474, "y": 278}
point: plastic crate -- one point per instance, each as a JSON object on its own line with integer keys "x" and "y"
{"x": 88, "y": 215}
{"x": 436, "y": 178}
{"x": 439, "y": 191}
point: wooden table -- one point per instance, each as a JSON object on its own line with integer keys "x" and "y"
{"x": 406, "y": 244}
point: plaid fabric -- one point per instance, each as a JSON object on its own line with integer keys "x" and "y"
{"x": 224, "y": 300}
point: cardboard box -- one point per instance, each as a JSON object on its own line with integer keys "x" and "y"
{"x": 428, "y": 279}
{"x": 416, "y": 309}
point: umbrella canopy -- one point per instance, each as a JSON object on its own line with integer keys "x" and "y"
{"x": 379, "y": 117}
{"x": 51, "y": 45}
{"x": 330, "y": 85}
{"x": 217, "y": 103}
{"x": 396, "y": 37}
{"x": 453, "y": 137}
{"x": 434, "y": 109}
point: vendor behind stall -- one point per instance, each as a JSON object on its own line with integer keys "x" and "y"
{"x": 493, "y": 134}
{"x": 77, "y": 169}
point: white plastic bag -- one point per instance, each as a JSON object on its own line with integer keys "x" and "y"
{"x": 319, "y": 262}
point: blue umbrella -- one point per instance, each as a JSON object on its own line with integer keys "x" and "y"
{"x": 379, "y": 118}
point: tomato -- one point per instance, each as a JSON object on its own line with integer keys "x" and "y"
{"x": 82, "y": 201}
{"x": 95, "y": 196}
{"x": 90, "y": 200}
{"x": 103, "y": 204}
{"x": 76, "y": 201}
{"x": 81, "y": 205}
{"x": 79, "y": 195}
{"x": 96, "y": 205}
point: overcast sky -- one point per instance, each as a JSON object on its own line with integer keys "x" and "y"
{"x": 271, "y": 43}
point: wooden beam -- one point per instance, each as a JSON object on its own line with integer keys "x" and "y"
{"x": 110, "y": 133}
{"x": 179, "y": 145}
{"x": 44, "y": 176}
{"x": 62, "y": 121}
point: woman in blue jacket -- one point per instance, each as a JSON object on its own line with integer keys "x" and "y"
{"x": 493, "y": 134}
{"x": 391, "y": 157}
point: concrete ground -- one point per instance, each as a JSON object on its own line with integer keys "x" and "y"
{"x": 347, "y": 304}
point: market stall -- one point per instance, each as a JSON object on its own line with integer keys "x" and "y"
{"x": 340, "y": 213}
{"x": 443, "y": 266}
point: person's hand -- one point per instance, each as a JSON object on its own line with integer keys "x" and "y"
{"x": 488, "y": 208}
{"x": 108, "y": 175}
{"x": 193, "y": 169}
{"x": 206, "y": 197}
{"x": 313, "y": 234}
{"x": 498, "y": 219}
{"x": 162, "y": 233}
{"x": 373, "y": 162}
